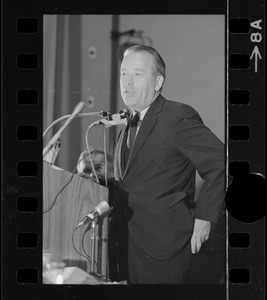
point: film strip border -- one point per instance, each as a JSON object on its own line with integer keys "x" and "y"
{"x": 22, "y": 145}
{"x": 245, "y": 101}
{"x": 244, "y": 196}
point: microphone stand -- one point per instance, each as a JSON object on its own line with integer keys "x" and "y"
{"x": 92, "y": 114}
{"x": 78, "y": 108}
{"x": 93, "y": 238}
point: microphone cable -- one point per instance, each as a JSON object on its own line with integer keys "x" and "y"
{"x": 74, "y": 247}
{"x": 91, "y": 161}
{"x": 61, "y": 190}
{"x": 86, "y": 255}
{"x": 83, "y": 246}
{"x": 106, "y": 158}
{"x": 90, "y": 151}
{"x": 67, "y": 116}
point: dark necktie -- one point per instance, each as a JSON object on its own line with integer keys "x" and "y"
{"x": 131, "y": 137}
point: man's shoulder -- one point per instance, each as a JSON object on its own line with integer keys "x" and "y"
{"x": 179, "y": 109}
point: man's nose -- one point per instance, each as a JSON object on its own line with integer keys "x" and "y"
{"x": 129, "y": 80}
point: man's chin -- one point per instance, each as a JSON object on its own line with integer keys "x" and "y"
{"x": 130, "y": 102}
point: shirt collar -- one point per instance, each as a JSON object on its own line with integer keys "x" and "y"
{"x": 142, "y": 113}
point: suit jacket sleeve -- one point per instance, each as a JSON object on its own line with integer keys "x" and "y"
{"x": 196, "y": 142}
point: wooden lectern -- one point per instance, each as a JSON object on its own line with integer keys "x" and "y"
{"x": 73, "y": 203}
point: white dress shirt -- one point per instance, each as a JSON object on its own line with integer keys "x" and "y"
{"x": 142, "y": 115}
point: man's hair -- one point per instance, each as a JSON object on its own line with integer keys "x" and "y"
{"x": 98, "y": 151}
{"x": 84, "y": 163}
{"x": 159, "y": 64}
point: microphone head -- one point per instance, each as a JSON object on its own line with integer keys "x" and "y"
{"x": 124, "y": 113}
{"x": 78, "y": 108}
{"x": 102, "y": 207}
{"x": 105, "y": 114}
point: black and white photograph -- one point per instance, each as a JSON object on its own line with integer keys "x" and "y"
{"x": 134, "y": 149}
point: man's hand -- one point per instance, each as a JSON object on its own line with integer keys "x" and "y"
{"x": 200, "y": 234}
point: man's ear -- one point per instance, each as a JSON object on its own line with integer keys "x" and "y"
{"x": 159, "y": 82}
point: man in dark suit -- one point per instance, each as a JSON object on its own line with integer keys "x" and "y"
{"x": 157, "y": 174}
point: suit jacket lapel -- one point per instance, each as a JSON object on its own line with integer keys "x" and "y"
{"x": 145, "y": 129}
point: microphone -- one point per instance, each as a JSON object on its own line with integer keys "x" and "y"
{"x": 52, "y": 153}
{"x": 124, "y": 113}
{"x": 98, "y": 211}
{"x": 78, "y": 108}
{"x": 116, "y": 119}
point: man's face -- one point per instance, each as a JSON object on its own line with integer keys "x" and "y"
{"x": 98, "y": 160}
{"x": 139, "y": 88}
{"x": 99, "y": 164}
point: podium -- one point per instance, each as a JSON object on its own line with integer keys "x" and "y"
{"x": 79, "y": 197}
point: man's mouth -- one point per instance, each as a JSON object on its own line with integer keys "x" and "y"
{"x": 129, "y": 92}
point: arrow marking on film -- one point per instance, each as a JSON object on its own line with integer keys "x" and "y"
{"x": 257, "y": 55}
